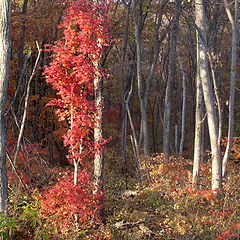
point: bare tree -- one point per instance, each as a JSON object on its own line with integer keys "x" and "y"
{"x": 208, "y": 93}
{"x": 170, "y": 81}
{"x": 198, "y": 126}
{"x": 4, "y": 71}
{"x": 144, "y": 122}
{"x": 183, "y": 103}
{"x": 23, "y": 120}
{"x": 234, "y": 24}
{"x": 124, "y": 112}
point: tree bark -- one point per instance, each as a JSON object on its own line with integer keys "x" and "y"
{"x": 4, "y": 72}
{"x": 21, "y": 46}
{"x": 198, "y": 126}
{"x": 124, "y": 112}
{"x": 170, "y": 81}
{"x": 19, "y": 142}
{"x": 20, "y": 52}
{"x": 234, "y": 23}
{"x": 98, "y": 135}
{"x": 133, "y": 137}
{"x": 208, "y": 94}
{"x": 144, "y": 122}
{"x": 183, "y": 104}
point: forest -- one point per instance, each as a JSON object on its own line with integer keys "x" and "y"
{"x": 119, "y": 119}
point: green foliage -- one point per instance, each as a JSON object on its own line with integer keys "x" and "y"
{"x": 29, "y": 214}
{"x": 29, "y": 211}
{"x": 8, "y": 226}
{"x": 24, "y": 220}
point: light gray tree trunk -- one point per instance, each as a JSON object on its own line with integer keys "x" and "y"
{"x": 23, "y": 121}
{"x": 217, "y": 100}
{"x": 4, "y": 71}
{"x": 183, "y": 104}
{"x": 198, "y": 125}
{"x": 208, "y": 94}
{"x": 234, "y": 23}
{"x": 170, "y": 81}
{"x": 133, "y": 137}
{"x": 98, "y": 135}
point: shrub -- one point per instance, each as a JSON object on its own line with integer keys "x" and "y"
{"x": 72, "y": 208}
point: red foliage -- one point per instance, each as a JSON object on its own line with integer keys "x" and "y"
{"x": 74, "y": 66}
{"x": 13, "y": 179}
{"x": 232, "y": 233}
{"x": 71, "y": 206}
{"x": 73, "y": 69}
{"x": 235, "y": 152}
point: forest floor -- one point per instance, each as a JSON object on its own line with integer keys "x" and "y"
{"x": 163, "y": 206}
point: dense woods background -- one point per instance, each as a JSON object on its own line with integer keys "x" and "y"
{"x": 169, "y": 95}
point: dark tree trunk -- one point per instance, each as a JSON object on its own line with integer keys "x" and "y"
{"x": 4, "y": 71}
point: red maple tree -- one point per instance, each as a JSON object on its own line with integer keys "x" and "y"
{"x": 71, "y": 73}
{"x": 73, "y": 69}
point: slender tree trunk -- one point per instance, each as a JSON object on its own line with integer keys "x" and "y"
{"x": 124, "y": 113}
{"x": 4, "y": 71}
{"x": 19, "y": 142}
{"x": 133, "y": 137}
{"x": 176, "y": 141}
{"x": 156, "y": 51}
{"x": 217, "y": 100}
{"x": 51, "y": 160}
{"x": 198, "y": 126}
{"x": 21, "y": 50}
{"x": 208, "y": 94}
{"x": 144, "y": 121}
{"x": 170, "y": 81}
{"x": 21, "y": 45}
{"x": 98, "y": 135}
{"x": 234, "y": 23}
{"x": 19, "y": 82}
{"x": 183, "y": 104}
{"x": 42, "y": 86}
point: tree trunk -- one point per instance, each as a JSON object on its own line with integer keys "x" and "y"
{"x": 21, "y": 131}
{"x": 183, "y": 104}
{"x": 133, "y": 137}
{"x": 20, "y": 53}
{"x": 124, "y": 113}
{"x": 98, "y": 135}
{"x": 21, "y": 45}
{"x": 208, "y": 94}
{"x": 234, "y": 23}
{"x": 170, "y": 81}
{"x": 198, "y": 126}
{"x": 4, "y": 71}
{"x": 144, "y": 121}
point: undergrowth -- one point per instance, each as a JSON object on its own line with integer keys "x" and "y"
{"x": 168, "y": 206}
{"x": 164, "y": 206}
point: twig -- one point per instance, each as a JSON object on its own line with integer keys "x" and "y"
{"x": 14, "y": 169}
